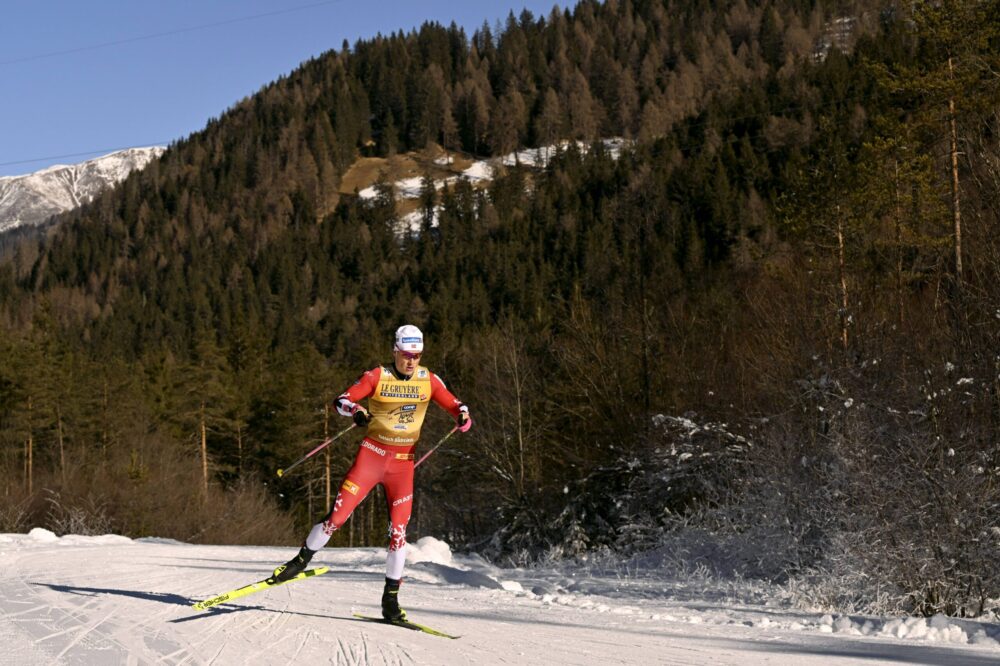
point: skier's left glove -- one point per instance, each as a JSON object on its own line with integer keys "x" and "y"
{"x": 464, "y": 420}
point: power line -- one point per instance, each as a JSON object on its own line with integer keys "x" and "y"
{"x": 102, "y": 151}
{"x": 167, "y": 33}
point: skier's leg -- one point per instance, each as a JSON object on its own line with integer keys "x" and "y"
{"x": 361, "y": 478}
{"x": 398, "y": 484}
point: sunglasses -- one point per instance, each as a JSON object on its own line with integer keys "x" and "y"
{"x": 411, "y": 355}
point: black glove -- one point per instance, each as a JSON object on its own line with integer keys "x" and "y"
{"x": 361, "y": 418}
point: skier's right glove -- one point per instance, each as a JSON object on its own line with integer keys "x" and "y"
{"x": 360, "y": 416}
{"x": 347, "y": 408}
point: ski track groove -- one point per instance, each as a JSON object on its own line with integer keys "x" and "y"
{"x": 274, "y": 644}
{"x": 72, "y": 614}
{"x": 164, "y": 658}
{"x": 403, "y": 652}
{"x": 218, "y": 652}
{"x": 302, "y": 644}
{"x": 341, "y": 651}
{"x": 86, "y": 632}
{"x": 11, "y": 616}
{"x": 272, "y": 622}
{"x": 210, "y": 633}
{"x": 364, "y": 645}
{"x": 204, "y": 636}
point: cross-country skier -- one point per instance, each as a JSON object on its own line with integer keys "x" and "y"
{"x": 398, "y": 395}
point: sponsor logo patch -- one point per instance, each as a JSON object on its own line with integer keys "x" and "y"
{"x": 400, "y": 391}
{"x": 401, "y": 500}
{"x": 397, "y": 440}
{"x": 371, "y": 447}
{"x": 421, "y": 374}
{"x": 351, "y": 487}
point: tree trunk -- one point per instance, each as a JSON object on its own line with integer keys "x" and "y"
{"x": 514, "y": 360}
{"x": 956, "y": 209}
{"x": 105, "y": 435}
{"x": 30, "y": 450}
{"x": 204, "y": 455}
{"x": 239, "y": 450}
{"x": 842, "y": 269}
{"x": 899, "y": 249}
{"x": 62, "y": 447}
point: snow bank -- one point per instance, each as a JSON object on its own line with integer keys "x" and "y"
{"x": 41, "y": 536}
{"x": 431, "y": 559}
{"x": 429, "y": 549}
{"x": 939, "y": 629}
{"x": 589, "y": 595}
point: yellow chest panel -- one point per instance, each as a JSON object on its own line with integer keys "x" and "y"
{"x": 398, "y": 407}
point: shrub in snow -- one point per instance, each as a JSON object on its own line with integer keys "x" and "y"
{"x": 84, "y": 517}
{"x": 13, "y": 517}
{"x": 901, "y": 483}
{"x": 628, "y": 505}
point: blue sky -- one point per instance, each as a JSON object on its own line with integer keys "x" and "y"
{"x": 79, "y": 79}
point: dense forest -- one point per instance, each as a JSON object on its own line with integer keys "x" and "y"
{"x": 768, "y": 330}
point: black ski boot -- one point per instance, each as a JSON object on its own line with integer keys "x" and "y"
{"x": 294, "y": 566}
{"x": 390, "y": 601}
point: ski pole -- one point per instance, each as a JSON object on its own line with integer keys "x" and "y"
{"x": 434, "y": 448}
{"x": 331, "y": 440}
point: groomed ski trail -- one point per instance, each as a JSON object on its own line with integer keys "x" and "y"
{"x": 110, "y": 600}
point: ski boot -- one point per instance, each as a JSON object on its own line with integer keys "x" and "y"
{"x": 293, "y": 567}
{"x": 390, "y": 601}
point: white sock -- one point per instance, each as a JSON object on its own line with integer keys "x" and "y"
{"x": 394, "y": 562}
{"x": 317, "y": 537}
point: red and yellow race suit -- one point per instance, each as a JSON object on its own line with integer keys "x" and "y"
{"x": 397, "y": 405}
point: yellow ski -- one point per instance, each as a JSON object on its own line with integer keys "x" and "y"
{"x": 406, "y": 624}
{"x": 255, "y": 587}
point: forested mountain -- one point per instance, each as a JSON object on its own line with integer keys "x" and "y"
{"x": 795, "y": 255}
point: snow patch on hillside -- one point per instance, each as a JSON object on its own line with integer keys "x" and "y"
{"x": 485, "y": 170}
{"x": 480, "y": 171}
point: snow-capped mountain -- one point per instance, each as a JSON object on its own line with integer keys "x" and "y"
{"x": 35, "y": 197}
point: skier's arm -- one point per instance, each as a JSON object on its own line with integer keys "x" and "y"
{"x": 347, "y": 402}
{"x": 447, "y": 401}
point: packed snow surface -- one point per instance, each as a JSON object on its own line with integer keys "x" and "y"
{"x": 113, "y": 600}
